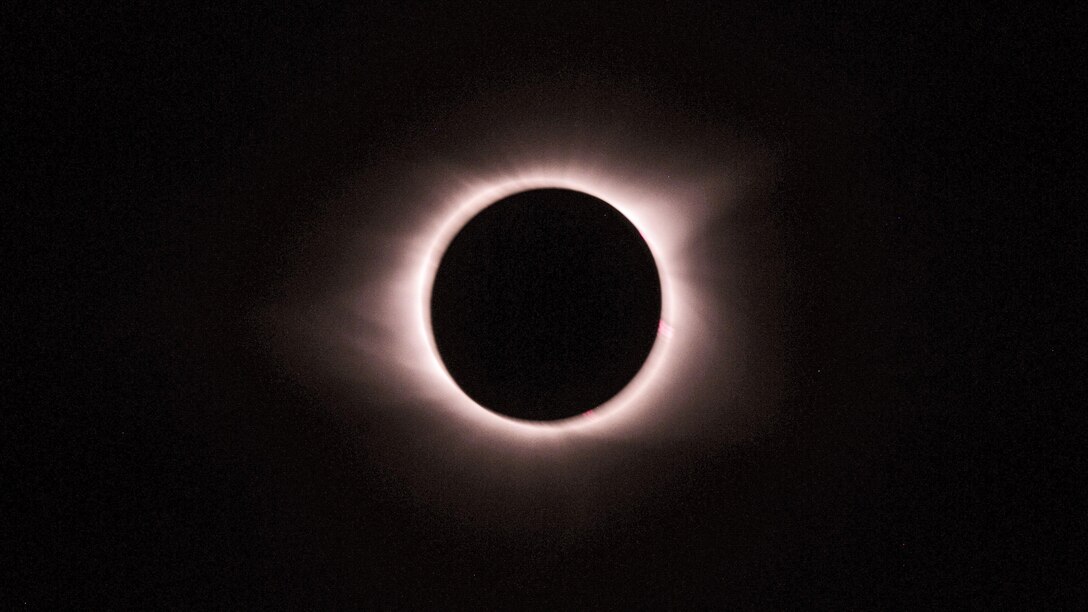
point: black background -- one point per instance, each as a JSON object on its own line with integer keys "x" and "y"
{"x": 165, "y": 166}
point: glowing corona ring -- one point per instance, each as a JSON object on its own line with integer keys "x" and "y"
{"x": 461, "y": 217}
{"x": 664, "y": 217}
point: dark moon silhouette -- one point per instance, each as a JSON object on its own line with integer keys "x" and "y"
{"x": 546, "y": 304}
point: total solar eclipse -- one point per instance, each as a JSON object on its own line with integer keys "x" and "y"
{"x": 545, "y": 305}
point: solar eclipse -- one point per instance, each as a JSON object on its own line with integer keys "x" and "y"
{"x": 436, "y": 317}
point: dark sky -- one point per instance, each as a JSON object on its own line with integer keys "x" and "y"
{"x": 171, "y": 167}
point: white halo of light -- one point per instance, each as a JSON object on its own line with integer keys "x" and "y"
{"x": 665, "y": 218}
{"x": 485, "y": 197}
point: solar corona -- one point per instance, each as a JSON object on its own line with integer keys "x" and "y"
{"x": 526, "y": 304}
{"x": 664, "y": 214}
{"x": 538, "y": 287}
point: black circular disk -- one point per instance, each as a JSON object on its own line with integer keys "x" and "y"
{"x": 546, "y": 304}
